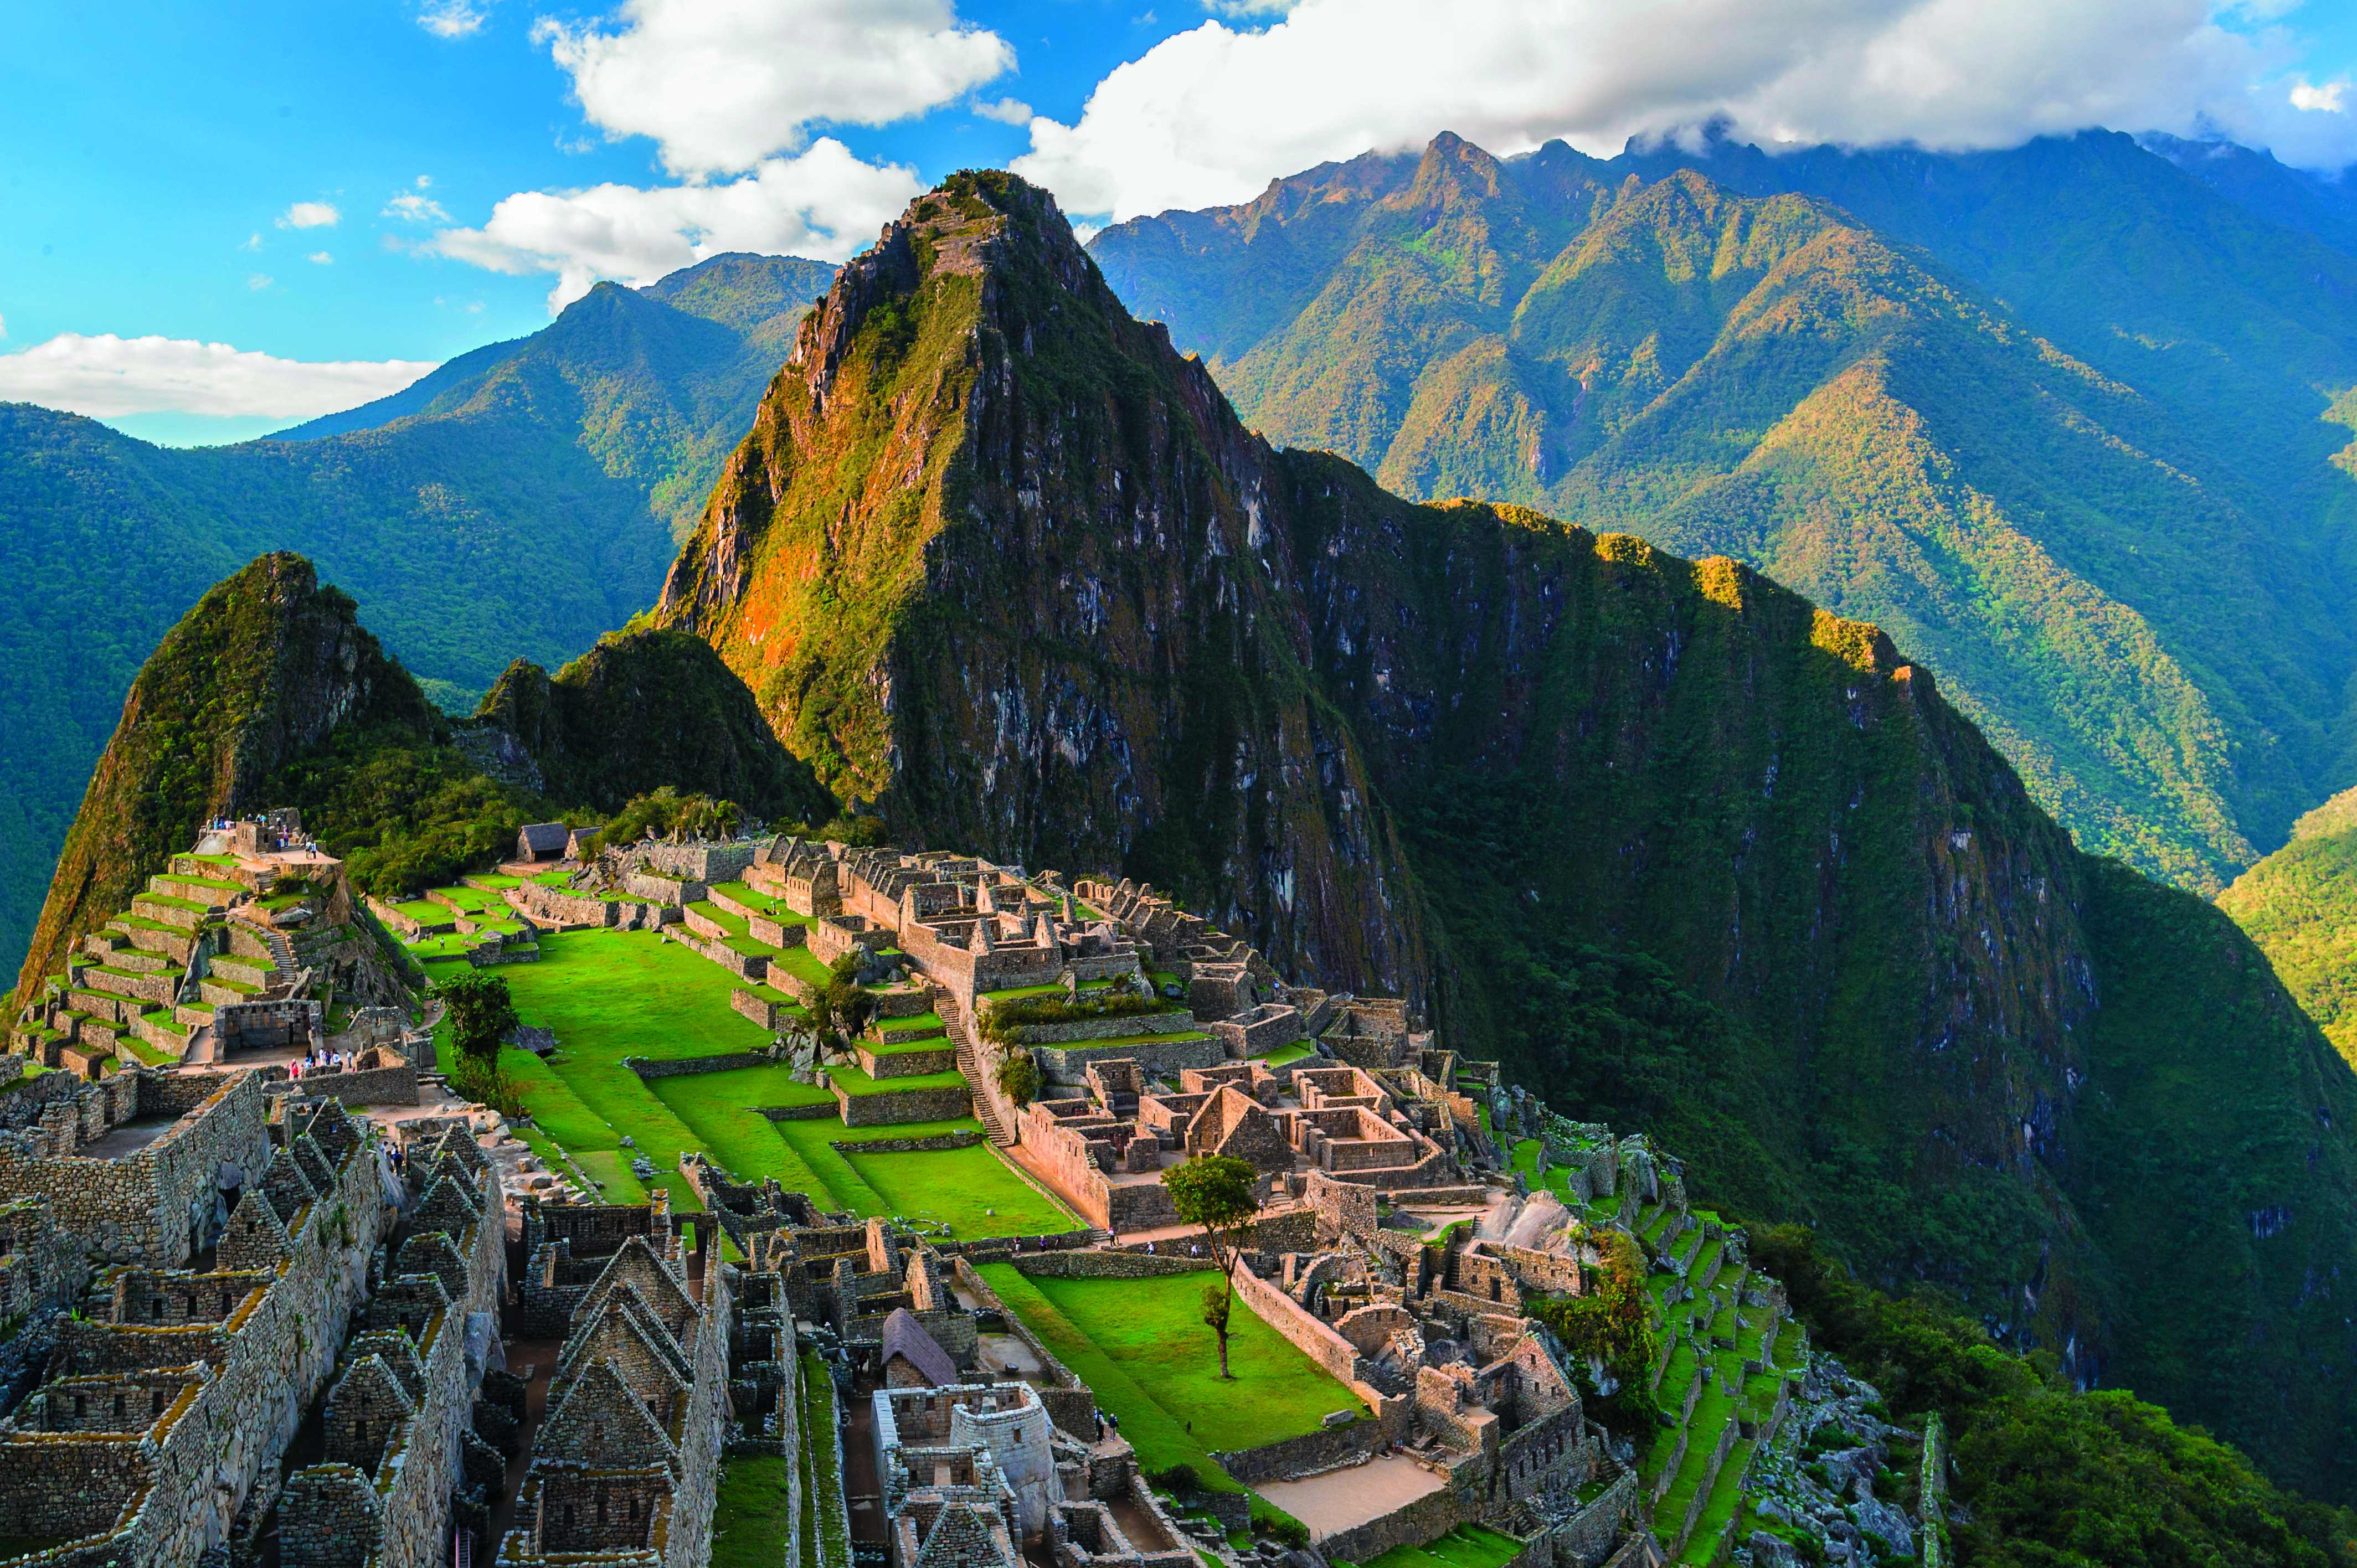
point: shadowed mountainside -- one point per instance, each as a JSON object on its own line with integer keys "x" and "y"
{"x": 2062, "y": 419}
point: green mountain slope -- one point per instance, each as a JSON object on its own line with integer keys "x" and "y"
{"x": 2056, "y": 418}
{"x": 525, "y": 501}
{"x": 2299, "y": 905}
{"x": 269, "y": 693}
{"x": 1681, "y": 847}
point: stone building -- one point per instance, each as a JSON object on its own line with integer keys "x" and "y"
{"x": 627, "y": 1458}
{"x": 166, "y": 1411}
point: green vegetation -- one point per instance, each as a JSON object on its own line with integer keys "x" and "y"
{"x": 826, "y": 1531}
{"x": 2136, "y": 593}
{"x": 1215, "y": 1193}
{"x": 434, "y": 508}
{"x": 1001, "y": 1021}
{"x": 1466, "y": 1546}
{"x": 750, "y": 1525}
{"x": 1125, "y": 1337}
{"x": 2051, "y": 1475}
{"x": 479, "y": 1010}
{"x": 2299, "y": 905}
{"x": 1615, "y": 1324}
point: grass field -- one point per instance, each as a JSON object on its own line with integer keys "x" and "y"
{"x": 750, "y": 1526}
{"x": 1466, "y": 1546}
{"x": 971, "y": 1188}
{"x": 611, "y": 995}
{"x": 1160, "y": 1367}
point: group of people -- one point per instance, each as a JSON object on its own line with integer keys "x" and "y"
{"x": 316, "y": 1058}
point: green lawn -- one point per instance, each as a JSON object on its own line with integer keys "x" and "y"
{"x": 958, "y": 1185}
{"x": 856, "y": 1082}
{"x": 1466, "y": 1546}
{"x": 610, "y": 994}
{"x": 750, "y": 1525}
{"x": 1160, "y": 1425}
{"x": 1292, "y": 1053}
{"x": 425, "y": 911}
{"x": 1153, "y": 1330}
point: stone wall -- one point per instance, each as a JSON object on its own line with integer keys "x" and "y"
{"x": 395, "y": 1083}
{"x": 1067, "y": 1065}
{"x": 267, "y": 1361}
{"x": 1586, "y": 1539}
{"x": 1323, "y": 1345}
{"x": 1427, "y": 1518}
{"x": 1069, "y": 1402}
{"x": 903, "y": 1105}
{"x": 1109, "y": 1266}
{"x": 1310, "y": 1454}
{"x": 147, "y": 1207}
{"x": 650, "y": 1069}
{"x": 935, "y": 1144}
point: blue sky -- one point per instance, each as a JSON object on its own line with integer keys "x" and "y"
{"x": 171, "y": 170}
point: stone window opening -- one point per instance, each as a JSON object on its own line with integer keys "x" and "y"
{"x": 188, "y": 1306}
{"x": 119, "y": 1407}
{"x": 634, "y": 1510}
{"x": 359, "y": 1429}
{"x": 156, "y": 1308}
{"x": 155, "y": 1402}
{"x": 568, "y": 1516}
{"x": 81, "y": 1407}
{"x": 601, "y": 1507}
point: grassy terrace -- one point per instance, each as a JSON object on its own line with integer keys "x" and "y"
{"x": 610, "y": 994}
{"x": 1142, "y": 1347}
{"x": 749, "y": 1524}
{"x": 1466, "y": 1546}
{"x": 857, "y": 1083}
{"x": 1282, "y": 1055}
{"x": 468, "y": 899}
{"x": 753, "y": 898}
{"x": 802, "y": 964}
{"x": 424, "y": 910}
{"x": 1019, "y": 993}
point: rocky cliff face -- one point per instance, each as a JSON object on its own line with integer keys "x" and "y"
{"x": 269, "y": 663}
{"x": 1686, "y": 849}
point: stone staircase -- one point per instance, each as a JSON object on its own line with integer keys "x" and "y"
{"x": 969, "y": 1062}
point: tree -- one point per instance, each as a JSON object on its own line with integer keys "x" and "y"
{"x": 1216, "y": 1193}
{"x": 481, "y": 1013}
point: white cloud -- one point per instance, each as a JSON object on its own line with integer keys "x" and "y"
{"x": 320, "y": 258}
{"x": 824, "y": 204}
{"x": 260, "y": 281}
{"x": 1005, "y": 111}
{"x": 106, "y": 377}
{"x": 722, "y": 84}
{"x": 2326, "y": 99}
{"x": 411, "y": 207}
{"x": 1211, "y": 116}
{"x": 3, "y": 327}
{"x": 310, "y": 215}
{"x": 450, "y": 18}
{"x": 253, "y": 242}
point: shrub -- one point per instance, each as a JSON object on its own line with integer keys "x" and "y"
{"x": 1018, "y": 1078}
{"x": 1000, "y": 1023}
